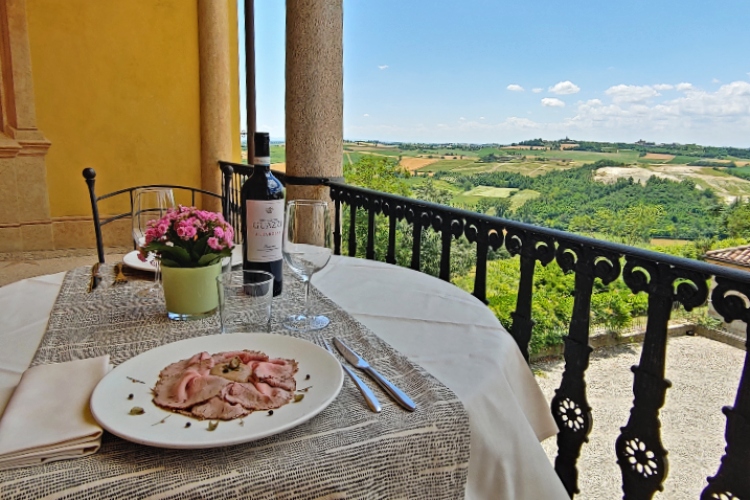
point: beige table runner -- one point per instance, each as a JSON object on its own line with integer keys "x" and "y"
{"x": 345, "y": 452}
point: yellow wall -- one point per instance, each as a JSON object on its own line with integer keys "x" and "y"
{"x": 117, "y": 89}
{"x": 235, "y": 75}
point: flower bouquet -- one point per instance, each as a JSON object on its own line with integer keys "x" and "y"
{"x": 190, "y": 244}
{"x": 188, "y": 237}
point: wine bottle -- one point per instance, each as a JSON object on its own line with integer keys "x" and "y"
{"x": 262, "y": 199}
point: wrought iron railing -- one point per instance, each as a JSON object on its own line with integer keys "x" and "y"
{"x": 665, "y": 278}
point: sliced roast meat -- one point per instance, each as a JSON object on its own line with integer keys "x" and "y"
{"x": 277, "y": 373}
{"x": 218, "y": 409}
{"x": 245, "y": 356}
{"x": 191, "y": 389}
{"x": 226, "y": 385}
{"x": 255, "y": 398}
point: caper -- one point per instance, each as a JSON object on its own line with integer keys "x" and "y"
{"x": 137, "y": 410}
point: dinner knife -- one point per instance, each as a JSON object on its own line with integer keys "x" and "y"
{"x": 370, "y": 398}
{"x": 95, "y": 277}
{"x": 356, "y": 360}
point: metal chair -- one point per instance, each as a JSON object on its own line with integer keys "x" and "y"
{"x": 90, "y": 175}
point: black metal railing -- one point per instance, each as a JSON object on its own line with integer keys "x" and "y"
{"x": 664, "y": 278}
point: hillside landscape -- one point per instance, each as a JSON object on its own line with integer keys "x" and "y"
{"x": 679, "y": 199}
{"x": 679, "y": 192}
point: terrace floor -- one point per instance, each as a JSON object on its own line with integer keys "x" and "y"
{"x": 704, "y": 373}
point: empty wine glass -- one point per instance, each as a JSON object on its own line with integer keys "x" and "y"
{"x": 150, "y": 204}
{"x": 307, "y": 248}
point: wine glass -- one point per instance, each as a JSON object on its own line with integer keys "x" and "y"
{"x": 150, "y": 204}
{"x": 307, "y": 248}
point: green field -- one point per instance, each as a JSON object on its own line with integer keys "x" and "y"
{"x": 278, "y": 153}
{"x": 531, "y": 163}
{"x": 491, "y": 192}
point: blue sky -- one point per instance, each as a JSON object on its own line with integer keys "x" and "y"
{"x": 504, "y": 71}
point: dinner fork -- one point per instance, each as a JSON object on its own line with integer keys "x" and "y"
{"x": 370, "y": 398}
{"x": 119, "y": 275}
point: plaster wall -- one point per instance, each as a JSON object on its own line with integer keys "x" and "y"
{"x": 117, "y": 89}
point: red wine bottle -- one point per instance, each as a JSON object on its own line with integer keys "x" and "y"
{"x": 262, "y": 199}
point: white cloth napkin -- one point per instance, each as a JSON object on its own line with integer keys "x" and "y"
{"x": 48, "y": 417}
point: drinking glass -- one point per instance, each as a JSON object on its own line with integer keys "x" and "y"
{"x": 307, "y": 248}
{"x": 245, "y": 299}
{"x": 150, "y": 204}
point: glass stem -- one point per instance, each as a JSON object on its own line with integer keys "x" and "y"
{"x": 157, "y": 273}
{"x": 306, "y": 309}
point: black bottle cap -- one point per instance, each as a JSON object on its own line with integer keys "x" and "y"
{"x": 262, "y": 144}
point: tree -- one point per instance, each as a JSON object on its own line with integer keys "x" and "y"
{"x": 738, "y": 220}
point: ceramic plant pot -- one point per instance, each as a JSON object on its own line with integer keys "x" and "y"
{"x": 190, "y": 292}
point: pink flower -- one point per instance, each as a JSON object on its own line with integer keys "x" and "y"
{"x": 214, "y": 243}
{"x": 188, "y": 224}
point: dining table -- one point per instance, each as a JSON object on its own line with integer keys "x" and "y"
{"x": 452, "y": 346}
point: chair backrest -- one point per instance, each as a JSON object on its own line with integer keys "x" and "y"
{"x": 90, "y": 175}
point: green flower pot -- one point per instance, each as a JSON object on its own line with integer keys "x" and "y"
{"x": 190, "y": 292}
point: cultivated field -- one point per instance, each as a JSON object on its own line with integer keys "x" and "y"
{"x": 536, "y": 161}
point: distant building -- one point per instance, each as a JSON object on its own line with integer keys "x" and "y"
{"x": 736, "y": 258}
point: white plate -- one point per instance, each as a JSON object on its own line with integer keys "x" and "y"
{"x": 131, "y": 260}
{"x": 110, "y": 404}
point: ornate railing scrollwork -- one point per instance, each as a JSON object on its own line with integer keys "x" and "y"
{"x": 666, "y": 279}
{"x": 570, "y": 408}
{"x": 640, "y": 453}
{"x": 531, "y": 247}
{"x": 732, "y": 300}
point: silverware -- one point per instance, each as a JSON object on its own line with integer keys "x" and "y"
{"x": 119, "y": 275}
{"x": 370, "y": 398}
{"x": 95, "y": 277}
{"x": 356, "y": 360}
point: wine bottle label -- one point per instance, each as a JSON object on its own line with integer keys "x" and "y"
{"x": 265, "y": 225}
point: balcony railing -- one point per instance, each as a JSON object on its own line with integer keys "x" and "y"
{"x": 665, "y": 279}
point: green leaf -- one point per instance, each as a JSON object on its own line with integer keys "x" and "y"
{"x": 174, "y": 253}
{"x": 208, "y": 259}
{"x": 200, "y": 247}
{"x": 169, "y": 263}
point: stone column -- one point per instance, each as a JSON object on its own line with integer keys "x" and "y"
{"x": 25, "y": 222}
{"x": 215, "y": 106}
{"x": 314, "y": 93}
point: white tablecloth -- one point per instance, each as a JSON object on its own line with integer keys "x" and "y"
{"x": 442, "y": 328}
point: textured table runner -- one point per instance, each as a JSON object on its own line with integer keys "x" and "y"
{"x": 344, "y": 452}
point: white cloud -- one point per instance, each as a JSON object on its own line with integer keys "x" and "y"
{"x": 552, "y": 102}
{"x": 536, "y": 90}
{"x": 715, "y": 80}
{"x": 462, "y": 119}
{"x": 697, "y": 116}
{"x": 663, "y": 86}
{"x": 366, "y": 114}
{"x": 481, "y": 117}
{"x": 720, "y": 117}
{"x": 631, "y": 93}
{"x": 683, "y": 87}
{"x": 565, "y": 88}
{"x": 384, "y": 66}
{"x": 514, "y": 88}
